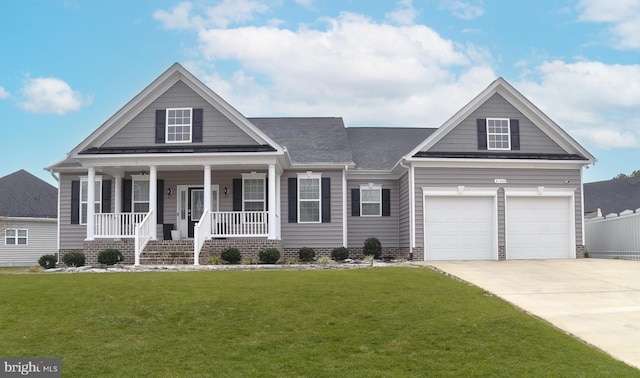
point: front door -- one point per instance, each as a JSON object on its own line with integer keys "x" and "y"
{"x": 196, "y": 208}
{"x": 190, "y": 207}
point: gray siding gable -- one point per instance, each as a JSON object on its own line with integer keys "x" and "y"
{"x": 463, "y": 137}
{"x": 217, "y": 128}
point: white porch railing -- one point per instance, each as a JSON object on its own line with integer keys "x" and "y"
{"x": 142, "y": 236}
{"x": 239, "y": 223}
{"x": 116, "y": 225}
{"x": 201, "y": 232}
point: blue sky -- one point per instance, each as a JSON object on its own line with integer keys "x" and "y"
{"x": 68, "y": 65}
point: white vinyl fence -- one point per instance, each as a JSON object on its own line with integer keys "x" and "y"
{"x": 614, "y": 236}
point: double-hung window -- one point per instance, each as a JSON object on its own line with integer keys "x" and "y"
{"x": 14, "y": 236}
{"x": 498, "y": 135}
{"x": 178, "y": 125}
{"x": 253, "y": 192}
{"x": 140, "y": 195}
{"x": 309, "y": 196}
{"x": 84, "y": 188}
{"x": 371, "y": 200}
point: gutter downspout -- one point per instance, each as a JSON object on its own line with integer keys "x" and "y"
{"x": 344, "y": 206}
{"x": 412, "y": 214}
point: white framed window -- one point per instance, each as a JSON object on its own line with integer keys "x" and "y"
{"x": 84, "y": 185}
{"x": 16, "y": 236}
{"x": 498, "y": 134}
{"x": 178, "y": 128}
{"x": 309, "y": 197}
{"x": 371, "y": 200}
{"x": 253, "y": 191}
{"x": 140, "y": 194}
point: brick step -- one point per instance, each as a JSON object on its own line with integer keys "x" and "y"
{"x": 166, "y": 258}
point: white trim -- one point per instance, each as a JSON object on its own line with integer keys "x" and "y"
{"x": 496, "y": 163}
{"x": 582, "y": 240}
{"x": 309, "y": 175}
{"x": 489, "y": 134}
{"x": 271, "y": 200}
{"x": 135, "y": 178}
{"x": 459, "y": 191}
{"x": 344, "y": 207}
{"x": 17, "y": 236}
{"x": 166, "y": 126}
{"x": 539, "y": 191}
{"x": 371, "y": 186}
{"x": 255, "y": 176}
{"x": 98, "y": 180}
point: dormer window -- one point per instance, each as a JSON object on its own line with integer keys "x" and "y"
{"x": 498, "y": 136}
{"x": 178, "y": 125}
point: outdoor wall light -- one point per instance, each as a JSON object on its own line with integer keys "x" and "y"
{"x": 226, "y": 190}
{"x": 169, "y": 191}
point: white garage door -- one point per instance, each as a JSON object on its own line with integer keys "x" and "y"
{"x": 538, "y": 227}
{"x": 459, "y": 228}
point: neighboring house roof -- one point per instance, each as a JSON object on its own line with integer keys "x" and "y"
{"x": 612, "y": 196}
{"x": 380, "y": 148}
{"x": 309, "y": 140}
{"x": 22, "y": 195}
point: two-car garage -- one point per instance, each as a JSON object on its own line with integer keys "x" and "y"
{"x": 471, "y": 223}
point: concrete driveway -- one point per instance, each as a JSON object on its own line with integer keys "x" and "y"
{"x": 596, "y": 300}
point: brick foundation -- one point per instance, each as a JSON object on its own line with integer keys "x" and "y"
{"x": 580, "y": 251}
{"x": 247, "y": 248}
{"x": 93, "y": 247}
{"x": 502, "y": 255}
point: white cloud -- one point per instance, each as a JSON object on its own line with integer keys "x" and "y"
{"x": 221, "y": 15}
{"x": 466, "y": 10}
{"x": 178, "y": 18}
{"x": 404, "y": 15}
{"x": 593, "y": 101}
{"x": 50, "y": 95}
{"x": 4, "y": 93}
{"x": 368, "y": 72}
{"x": 622, "y": 15}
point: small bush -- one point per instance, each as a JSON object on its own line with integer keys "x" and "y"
{"x": 110, "y": 256}
{"x": 249, "y": 260}
{"x": 231, "y": 255}
{"x": 73, "y": 259}
{"x": 372, "y": 247}
{"x": 340, "y": 254}
{"x": 214, "y": 260}
{"x": 324, "y": 260}
{"x": 306, "y": 254}
{"x": 292, "y": 261}
{"x": 48, "y": 261}
{"x": 269, "y": 255}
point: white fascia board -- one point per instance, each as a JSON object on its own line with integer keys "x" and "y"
{"x": 177, "y": 159}
{"x": 29, "y": 219}
{"x": 497, "y": 163}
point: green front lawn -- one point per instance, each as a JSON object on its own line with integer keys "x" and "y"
{"x": 354, "y": 323}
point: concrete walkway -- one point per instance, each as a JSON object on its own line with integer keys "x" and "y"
{"x": 595, "y": 300}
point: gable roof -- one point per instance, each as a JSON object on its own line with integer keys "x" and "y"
{"x": 522, "y": 104}
{"x": 25, "y": 196}
{"x": 612, "y": 196}
{"x": 160, "y": 85}
{"x": 380, "y": 148}
{"x": 313, "y": 140}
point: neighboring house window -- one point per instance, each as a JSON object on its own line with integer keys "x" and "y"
{"x": 498, "y": 135}
{"x": 178, "y": 125}
{"x": 140, "y": 195}
{"x": 253, "y": 192}
{"x": 15, "y": 236}
{"x": 84, "y": 185}
{"x": 309, "y": 195}
{"x": 371, "y": 200}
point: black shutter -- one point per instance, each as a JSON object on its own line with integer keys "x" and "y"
{"x": 75, "y": 202}
{"x": 481, "y": 124}
{"x": 127, "y": 191}
{"x": 326, "y": 200}
{"x": 161, "y": 114}
{"x": 293, "y": 200}
{"x": 160, "y": 201}
{"x": 106, "y": 196}
{"x": 355, "y": 202}
{"x": 197, "y": 126}
{"x": 515, "y": 134}
{"x": 237, "y": 194}
{"x": 386, "y": 202}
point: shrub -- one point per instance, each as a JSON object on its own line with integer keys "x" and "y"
{"x": 47, "y": 261}
{"x": 340, "y": 254}
{"x": 324, "y": 260}
{"x": 110, "y": 256}
{"x": 249, "y": 260}
{"x": 372, "y": 247}
{"x": 73, "y": 259}
{"x": 231, "y": 255}
{"x": 306, "y": 254}
{"x": 269, "y": 255}
{"x": 214, "y": 260}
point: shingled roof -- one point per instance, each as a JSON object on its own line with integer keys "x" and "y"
{"x": 612, "y": 196}
{"x": 23, "y": 195}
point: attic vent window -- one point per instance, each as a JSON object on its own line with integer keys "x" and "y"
{"x": 178, "y": 125}
{"x": 498, "y": 135}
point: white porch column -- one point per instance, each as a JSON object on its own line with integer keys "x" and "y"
{"x": 278, "y": 209}
{"x": 207, "y": 187}
{"x": 118, "y": 194}
{"x": 344, "y": 207}
{"x": 153, "y": 201}
{"x": 91, "y": 202}
{"x": 272, "y": 201}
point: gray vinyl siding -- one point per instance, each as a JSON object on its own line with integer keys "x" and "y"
{"x": 464, "y": 137}
{"x": 217, "y": 128}
{"x": 71, "y": 235}
{"x": 386, "y": 229}
{"x": 313, "y": 235}
{"x": 41, "y": 240}
{"x": 516, "y": 178}
{"x": 403, "y": 211}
